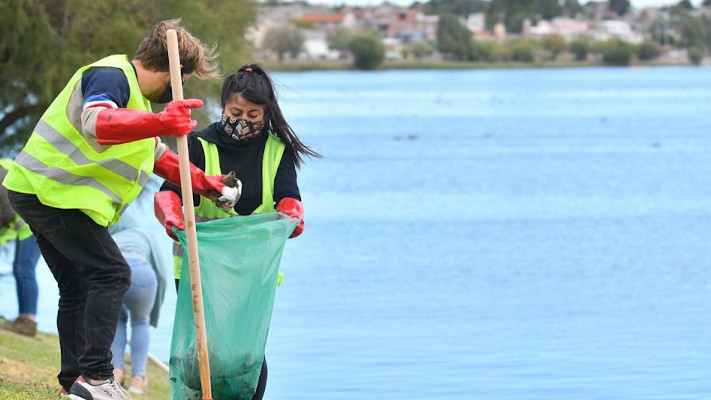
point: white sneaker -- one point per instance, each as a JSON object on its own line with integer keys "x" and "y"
{"x": 107, "y": 390}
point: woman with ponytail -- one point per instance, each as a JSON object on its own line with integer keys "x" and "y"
{"x": 253, "y": 140}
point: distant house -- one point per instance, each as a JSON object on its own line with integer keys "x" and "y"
{"x": 328, "y": 23}
{"x": 411, "y": 26}
{"x": 427, "y": 24}
{"x": 567, "y": 27}
{"x": 476, "y": 22}
{"x": 615, "y": 28}
{"x": 316, "y": 46}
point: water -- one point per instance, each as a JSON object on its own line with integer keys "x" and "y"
{"x": 497, "y": 234}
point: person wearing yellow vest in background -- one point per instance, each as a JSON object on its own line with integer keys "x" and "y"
{"x": 254, "y": 140}
{"x": 85, "y": 162}
{"x": 12, "y": 227}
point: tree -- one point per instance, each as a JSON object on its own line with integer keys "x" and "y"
{"x": 685, "y": 4}
{"x": 514, "y": 12}
{"x": 458, "y": 7}
{"x": 44, "y": 42}
{"x": 368, "y": 50}
{"x": 284, "y": 39}
{"x": 706, "y": 3}
{"x": 693, "y": 31}
{"x": 571, "y": 8}
{"x": 620, "y": 7}
{"x": 453, "y": 38}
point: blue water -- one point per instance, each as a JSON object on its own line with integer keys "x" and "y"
{"x": 496, "y": 234}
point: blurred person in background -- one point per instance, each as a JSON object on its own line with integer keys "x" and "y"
{"x": 24, "y": 264}
{"x": 143, "y": 300}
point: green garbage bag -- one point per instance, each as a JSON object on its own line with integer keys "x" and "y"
{"x": 239, "y": 265}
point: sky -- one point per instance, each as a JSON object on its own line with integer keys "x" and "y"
{"x": 635, "y": 3}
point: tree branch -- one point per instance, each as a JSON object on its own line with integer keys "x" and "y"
{"x": 19, "y": 113}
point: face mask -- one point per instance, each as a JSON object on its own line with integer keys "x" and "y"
{"x": 167, "y": 96}
{"x": 239, "y": 129}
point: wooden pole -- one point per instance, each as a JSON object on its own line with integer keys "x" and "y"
{"x": 189, "y": 211}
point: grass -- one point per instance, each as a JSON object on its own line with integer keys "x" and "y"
{"x": 29, "y": 366}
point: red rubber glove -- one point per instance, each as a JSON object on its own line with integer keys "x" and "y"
{"x": 167, "y": 167}
{"x": 122, "y": 125}
{"x": 293, "y": 208}
{"x": 168, "y": 208}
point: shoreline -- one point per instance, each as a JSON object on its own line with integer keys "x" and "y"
{"x": 320, "y": 65}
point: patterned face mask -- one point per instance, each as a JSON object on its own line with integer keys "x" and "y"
{"x": 240, "y": 129}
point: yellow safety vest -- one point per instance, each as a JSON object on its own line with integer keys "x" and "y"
{"x": 208, "y": 210}
{"x": 17, "y": 229}
{"x": 65, "y": 171}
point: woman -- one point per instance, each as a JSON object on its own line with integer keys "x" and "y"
{"x": 252, "y": 139}
{"x": 144, "y": 298}
{"x": 27, "y": 254}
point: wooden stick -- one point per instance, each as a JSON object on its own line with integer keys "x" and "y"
{"x": 160, "y": 364}
{"x": 189, "y": 211}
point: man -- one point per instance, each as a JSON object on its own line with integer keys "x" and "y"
{"x": 85, "y": 162}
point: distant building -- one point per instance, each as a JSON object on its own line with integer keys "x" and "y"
{"x": 570, "y": 28}
{"x": 316, "y": 46}
{"x": 620, "y": 29}
{"x": 476, "y": 22}
{"x": 328, "y": 23}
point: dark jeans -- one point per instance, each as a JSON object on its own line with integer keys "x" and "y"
{"x": 262, "y": 384}
{"x": 92, "y": 277}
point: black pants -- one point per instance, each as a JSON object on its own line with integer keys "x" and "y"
{"x": 92, "y": 277}
{"x": 262, "y": 384}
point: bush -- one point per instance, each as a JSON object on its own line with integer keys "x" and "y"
{"x": 368, "y": 51}
{"x": 521, "y": 53}
{"x": 696, "y": 55}
{"x": 483, "y": 51}
{"x": 580, "y": 48}
{"x": 616, "y": 52}
{"x": 501, "y": 53}
{"x": 649, "y": 50}
{"x": 420, "y": 49}
{"x": 555, "y": 43}
{"x": 522, "y": 50}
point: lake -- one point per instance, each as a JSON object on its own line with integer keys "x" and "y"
{"x": 491, "y": 234}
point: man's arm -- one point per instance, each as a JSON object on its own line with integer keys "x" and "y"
{"x": 106, "y": 118}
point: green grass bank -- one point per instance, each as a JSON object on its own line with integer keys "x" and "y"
{"x": 29, "y": 366}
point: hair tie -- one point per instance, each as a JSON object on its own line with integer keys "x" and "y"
{"x": 248, "y": 70}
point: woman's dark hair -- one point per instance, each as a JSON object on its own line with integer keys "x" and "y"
{"x": 253, "y": 83}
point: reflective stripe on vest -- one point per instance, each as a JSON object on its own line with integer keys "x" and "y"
{"x": 64, "y": 170}
{"x": 208, "y": 211}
